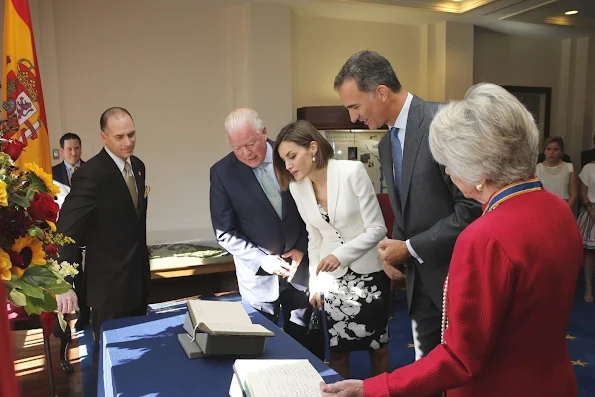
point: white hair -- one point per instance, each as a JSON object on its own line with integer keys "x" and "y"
{"x": 242, "y": 116}
{"x": 488, "y": 135}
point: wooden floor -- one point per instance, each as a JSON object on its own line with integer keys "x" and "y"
{"x": 30, "y": 366}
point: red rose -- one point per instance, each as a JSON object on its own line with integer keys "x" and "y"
{"x": 51, "y": 250}
{"x": 43, "y": 208}
{"x": 13, "y": 149}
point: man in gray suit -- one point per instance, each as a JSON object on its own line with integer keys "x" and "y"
{"x": 261, "y": 227}
{"x": 430, "y": 211}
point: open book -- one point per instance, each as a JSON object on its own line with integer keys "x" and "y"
{"x": 276, "y": 378}
{"x": 223, "y": 318}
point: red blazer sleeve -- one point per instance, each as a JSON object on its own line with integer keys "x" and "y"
{"x": 479, "y": 293}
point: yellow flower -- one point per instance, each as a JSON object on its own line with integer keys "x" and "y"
{"x": 46, "y": 178}
{"x": 31, "y": 250}
{"x": 52, "y": 226}
{"x": 3, "y": 194}
{"x": 5, "y": 265}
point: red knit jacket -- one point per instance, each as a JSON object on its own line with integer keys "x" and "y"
{"x": 510, "y": 291}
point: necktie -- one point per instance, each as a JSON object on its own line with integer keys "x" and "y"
{"x": 270, "y": 189}
{"x": 73, "y": 170}
{"x": 131, "y": 184}
{"x": 397, "y": 157}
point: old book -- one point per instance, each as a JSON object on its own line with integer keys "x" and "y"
{"x": 223, "y": 318}
{"x": 277, "y": 378}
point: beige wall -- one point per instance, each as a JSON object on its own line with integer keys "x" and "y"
{"x": 179, "y": 70}
{"x": 322, "y": 45}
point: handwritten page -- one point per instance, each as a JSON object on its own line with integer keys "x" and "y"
{"x": 279, "y": 378}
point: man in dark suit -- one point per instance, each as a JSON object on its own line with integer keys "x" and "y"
{"x": 430, "y": 211}
{"x": 107, "y": 209}
{"x": 587, "y": 156}
{"x": 71, "y": 149}
{"x": 261, "y": 227}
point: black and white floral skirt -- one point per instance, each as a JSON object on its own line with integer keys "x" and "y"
{"x": 357, "y": 311}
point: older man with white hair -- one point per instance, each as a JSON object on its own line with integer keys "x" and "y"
{"x": 261, "y": 227}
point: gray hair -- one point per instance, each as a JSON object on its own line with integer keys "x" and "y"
{"x": 242, "y": 116}
{"x": 369, "y": 69}
{"x": 489, "y": 134}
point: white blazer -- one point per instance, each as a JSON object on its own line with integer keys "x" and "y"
{"x": 356, "y": 222}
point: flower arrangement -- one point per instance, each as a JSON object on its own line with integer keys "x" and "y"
{"x": 29, "y": 260}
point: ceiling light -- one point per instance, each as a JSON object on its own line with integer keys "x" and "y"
{"x": 571, "y": 12}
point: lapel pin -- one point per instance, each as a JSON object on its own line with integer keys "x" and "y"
{"x": 139, "y": 174}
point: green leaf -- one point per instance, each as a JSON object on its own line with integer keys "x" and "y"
{"x": 39, "y": 275}
{"x": 58, "y": 288}
{"x": 33, "y": 306}
{"x": 17, "y": 298}
{"x": 19, "y": 200}
{"x": 32, "y": 290}
{"x": 49, "y": 303}
{"x": 14, "y": 282}
{"x": 36, "y": 232}
{"x": 61, "y": 320}
{"x": 30, "y": 194}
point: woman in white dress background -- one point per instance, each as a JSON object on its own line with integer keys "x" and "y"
{"x": 557, "y": 176}
{"x": 338, "y": 204}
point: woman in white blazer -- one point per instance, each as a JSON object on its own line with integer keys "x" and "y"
{"x": 337, "y": 202}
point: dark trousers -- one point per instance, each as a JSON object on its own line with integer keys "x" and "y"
{"x": 98, "y": 316}
{"x": 296, "y": 309}
{"x": 426, "y": 319}
{"x": 79, "y": 283}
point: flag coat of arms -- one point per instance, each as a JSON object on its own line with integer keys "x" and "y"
{"x": 23, "y": 110}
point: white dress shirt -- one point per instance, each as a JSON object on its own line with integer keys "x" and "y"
{"x": 401, "y": 124}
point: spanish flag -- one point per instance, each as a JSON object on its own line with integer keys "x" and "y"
{"x": 23, "y": 110}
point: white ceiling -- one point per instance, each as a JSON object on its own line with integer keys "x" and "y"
{"x": 544, "y": 18}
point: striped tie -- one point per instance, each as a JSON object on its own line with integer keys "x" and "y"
{"x": 270, "y": 189}
{"x": 397, "y": 153}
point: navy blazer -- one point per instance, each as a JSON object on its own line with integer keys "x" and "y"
{"x": 247, "y": 226}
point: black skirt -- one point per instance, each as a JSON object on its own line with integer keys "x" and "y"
{"x": 356, "y": 309}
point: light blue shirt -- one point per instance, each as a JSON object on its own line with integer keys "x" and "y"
{"x": 268, "y": 165}
{"x": 69, "y": 168}
{"x": 401, "y": 124}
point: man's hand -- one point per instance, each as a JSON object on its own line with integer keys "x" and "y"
{"x": 273, "y": 264}
{"x": 344, "y": 388}
{"x": 328, "y": 264}
{"x": 393, "y": 251}
{"x": 295, "y": 255}
{"x": 392, "y": 272}
{"x": 67, "y": 302}
{"x": 316, "y": 300}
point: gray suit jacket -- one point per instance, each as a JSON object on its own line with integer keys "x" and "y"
{"x": 431, "y": 211}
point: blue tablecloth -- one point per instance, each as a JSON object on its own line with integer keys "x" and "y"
{"x": 141, "y": 356}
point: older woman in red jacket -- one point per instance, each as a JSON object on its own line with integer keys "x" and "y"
{"x": 503, "y": 327}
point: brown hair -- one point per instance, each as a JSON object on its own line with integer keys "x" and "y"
{"x": 554, "y": 139}
{"x": 303, "y": 134}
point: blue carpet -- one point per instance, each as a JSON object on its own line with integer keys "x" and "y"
{"x": 581, "y": 342}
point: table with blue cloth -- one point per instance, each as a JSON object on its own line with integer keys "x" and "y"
{"x": 141, "y": 356}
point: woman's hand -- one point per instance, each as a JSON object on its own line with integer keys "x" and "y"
{"x": 328, "y": 264}
{"x": 316, "y": 301}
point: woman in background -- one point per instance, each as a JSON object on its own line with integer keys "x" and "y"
{"x": 557, "y": 176}
{"x": 586, "y": 222}
{"x": 503, "y": 328}
{"x": 338, "y": 204}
